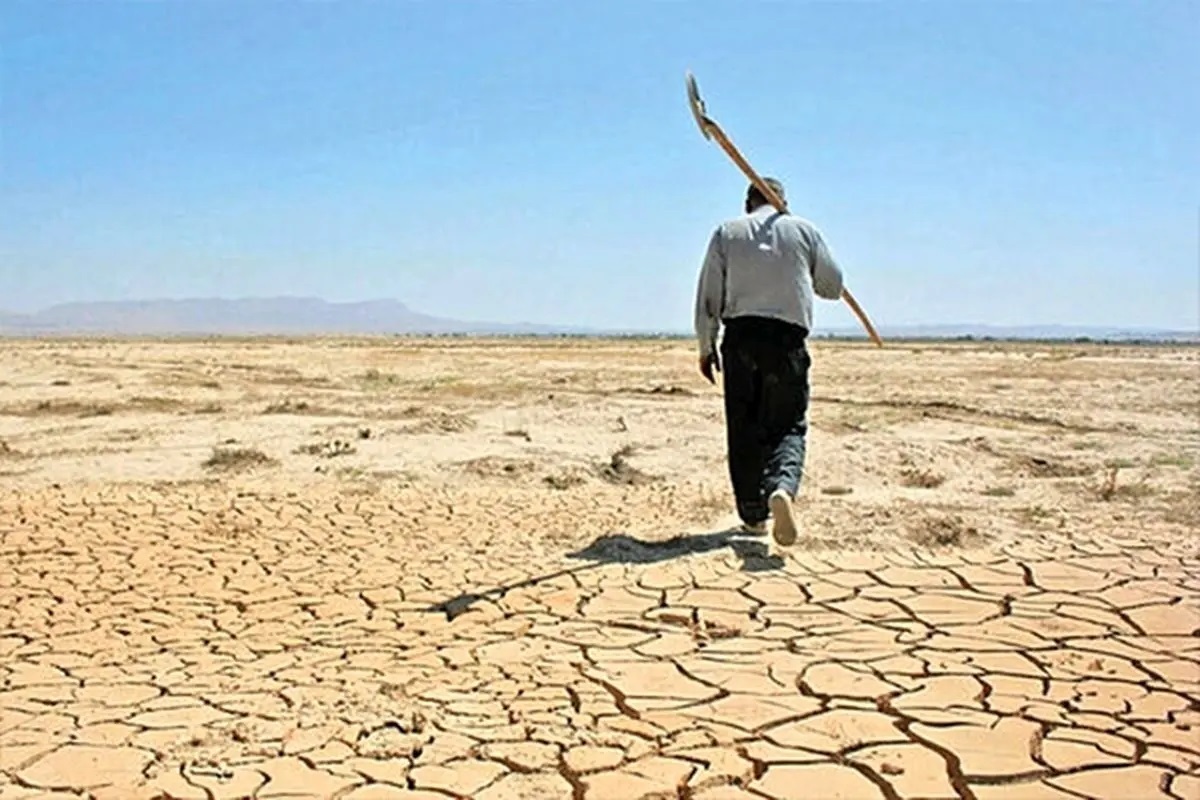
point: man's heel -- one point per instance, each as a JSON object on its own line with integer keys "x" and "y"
{"x": 784, "y": 529}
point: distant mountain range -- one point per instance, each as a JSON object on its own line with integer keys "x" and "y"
{"x": 299, "y": 316}
{"x": 249, "y": 316}
{"x": 1018, "y": 332}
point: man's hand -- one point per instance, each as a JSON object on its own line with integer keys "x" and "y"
{"x": 708, "y": 363}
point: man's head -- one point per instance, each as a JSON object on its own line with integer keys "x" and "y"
{"x": 755, "y": 198}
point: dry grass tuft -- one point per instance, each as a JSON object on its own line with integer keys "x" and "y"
{"x": 837, "y": 491}
{"x": 81, "y": 408}
{"x": 7, "y": 451}
{"x": 564, "y": 480}
{"x": 228, "y": 459}
{"x": 999, "y": 491}
{"x": 1183, "y": 508}
{"x": 619, "y": 471}
{"x": 374, "y": 379}
{"x": 1036, "y": 513}
{"x": 1110, "y": 489}
{"x": 1176, "y": 460}
{"x": 946, "y": 531}
{"x": 162, "y": 405}
{"x": 289, "y": 407}
{"x": 65, "y": 408}
{"x": 1040, "y": 467}
{"x": 330, "y": 449}
{"x": 443, "y": 423}
{"x": 915, "y": 478}
{"x": 1120, "y": 463}
{"x": 182, "y": 378}
{"x": 496, "y": 467}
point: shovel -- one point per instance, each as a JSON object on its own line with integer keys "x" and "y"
{"x": 712, "y": 130}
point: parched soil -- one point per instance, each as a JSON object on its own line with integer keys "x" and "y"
{"x": 508, "y": 570}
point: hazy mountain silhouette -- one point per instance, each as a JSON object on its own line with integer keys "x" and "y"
{"x": 255, "y": 315}
{"x": 313, "y": 316}
{"x": 1017, "y": 332}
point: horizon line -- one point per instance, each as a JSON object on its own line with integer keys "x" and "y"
{"x": 556, "y": 328}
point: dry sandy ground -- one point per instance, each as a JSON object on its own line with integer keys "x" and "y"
{"x": 394, "y": 568}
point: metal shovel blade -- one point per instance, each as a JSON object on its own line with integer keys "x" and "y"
{"x": 697, "y": 105}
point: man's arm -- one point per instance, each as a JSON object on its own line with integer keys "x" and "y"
{"x": 827, "y": 275}
{"x": 710, "y": 295}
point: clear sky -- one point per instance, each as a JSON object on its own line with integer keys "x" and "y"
{"x": 1006, "y": 163}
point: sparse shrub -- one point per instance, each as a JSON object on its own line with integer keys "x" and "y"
{"x": 1178, "y": 460}
{"x": 999, "y": 491}
{"x": 374, "y": 379}
{"x": 227, "y": 459}
{"x": 921, "y": 478}
{"x": 443, "y": 423}
{"x": 1183, "y": 508}
{"x": 1039, "y": 467}
{"x": 619, "y": 471}
{"x": 68, "y": 407}
{"x": 330, "y": 449}
{"x": 950, "y": 531}
{"x": 495, "y": 467}
{"x": 287, "y": 407}
{"x": 1110, "y": 490}
{"x": 1037, "y": 513}
{"x": 563, "y": 480}
{"x": 159, "y": 404}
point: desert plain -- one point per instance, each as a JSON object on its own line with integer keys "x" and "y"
{"x": 508, "y": 568}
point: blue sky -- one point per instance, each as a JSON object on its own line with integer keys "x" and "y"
{"x": 1004, "y": 163}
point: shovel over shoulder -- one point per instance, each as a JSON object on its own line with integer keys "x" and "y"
{"x": 712, "y": 131}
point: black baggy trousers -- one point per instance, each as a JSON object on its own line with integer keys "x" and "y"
{"x": 765, "y": 364}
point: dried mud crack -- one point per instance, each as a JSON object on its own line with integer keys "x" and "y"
{"x": 476, "y": 633}
{"x": 186, "y": 670}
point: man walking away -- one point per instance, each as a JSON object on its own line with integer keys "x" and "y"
{"x": 758, "y": 279}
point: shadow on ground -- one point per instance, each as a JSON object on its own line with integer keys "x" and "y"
{"x": 622, "y": 548}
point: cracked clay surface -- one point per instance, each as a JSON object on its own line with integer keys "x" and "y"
{"x": 503, "y": 571}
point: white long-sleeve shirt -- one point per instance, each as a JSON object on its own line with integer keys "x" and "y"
{"x": 763, "y": 264}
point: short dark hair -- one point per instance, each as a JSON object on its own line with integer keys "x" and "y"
{"x": 755, "y": 198}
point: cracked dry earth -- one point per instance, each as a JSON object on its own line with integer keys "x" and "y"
{"x": 502, "y": 570}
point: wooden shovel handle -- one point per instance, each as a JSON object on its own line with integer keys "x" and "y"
{"x": 745, "y": 167}
{"x": 862, "y": 316}
{"x": 777, "y": 201}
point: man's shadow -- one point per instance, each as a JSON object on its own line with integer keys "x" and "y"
{"x": 622, "y": 548}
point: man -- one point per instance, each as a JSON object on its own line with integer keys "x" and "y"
{"x": 758, "y": 279}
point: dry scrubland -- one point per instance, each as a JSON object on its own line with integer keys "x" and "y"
{"x": 500, "y": 569}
